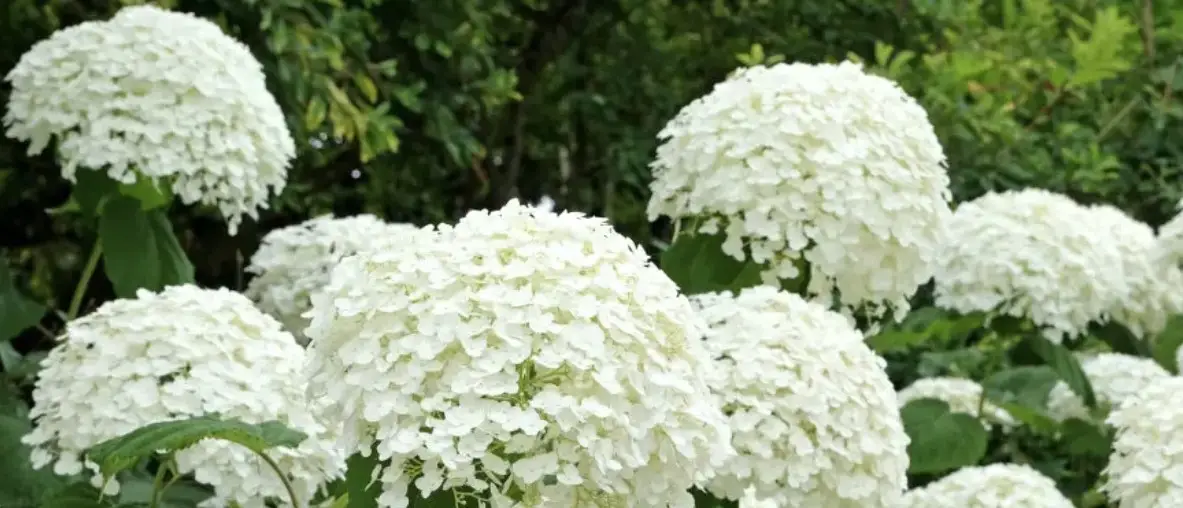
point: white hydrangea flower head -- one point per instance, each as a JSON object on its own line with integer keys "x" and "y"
{"x": 1031, "y": 254}
{"x": 1115, "y": 378}
{"x": 515, "y": 346}
{"x": 1146, "y": 456}
{"x": 824, "y": 163}
{"x": 750, "y": 500}
{"x": 156, "y": 94}
{"x": 1169, "y": 241}
{"x": 992, "y": 486}
{"x": 962, "y": 395}
{"x": 1154, "y": 287}
{"x": 295, "y": 261}
{"x": 812, "y": 411}
{"x": 181, "y": 353}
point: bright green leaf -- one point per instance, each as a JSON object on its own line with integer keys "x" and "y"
{"x": 366, "y": 86}
{"x": 17, "y": 313}
{"x": 359, "y": 470}
{"x": 697, "y": 264}
{"x": 1167, "y": 343}
{"x": 315, "y": 114}
{"x": 115, "y": 455}
{"x": 139, "y": 248}
{"x": 941, "y": 440}
{"x": 890, "y": 341}
{"x": 1065, "y": 365}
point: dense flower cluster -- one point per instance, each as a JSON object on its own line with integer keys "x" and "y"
{"x": 295, "y": 261}
{"x": 1146, "y": 458}
{"x": 156, "y": 94}
{"x": 822, "y": 163}
{"x": 517, "y": 346}
{"x": 962, "y": 396}
{"x": 181, "y": 353}
{"x": 1032, "y": 254}
{"x": 1154, "y": 287}
{"x": 812, "y": 411}
{"x": 1114, "y": 377}
{"x": 992, "y": 486}
{"x": 1169, "y": 245}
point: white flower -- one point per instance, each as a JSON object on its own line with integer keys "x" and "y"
{"x": 1169, "y": 245}
{"x": 1114, "y": 377}
{"x": 1033, "y": 254}
{"x": 817, "y": 162}
{"x": 1146, "y": 458}
{"x": 181, "y": 353}
{"x": 1154, "y": 287}
{"x": 158, "y": 94}
{"x": 522, "y": 352}
{"x": 962, "y": 396}
{"x": 749, "y": 500}
{"x": 813, "y": 414}
{"x": 992, "y": 486}
{"x": 295, "y": 261}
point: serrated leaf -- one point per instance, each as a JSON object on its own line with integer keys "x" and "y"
{"x": 115, "y": 455}
{"x": 697, "y": 264}
{"x": 1065, "y": 365}
{"x": 140, "y": 249}
{"x": 941, "y": 440}
{"x": 77, "y": 495}
{"x": 1167, "y": 343}
{"x": 17, "y": 313}
{"x": 359, "y": 471}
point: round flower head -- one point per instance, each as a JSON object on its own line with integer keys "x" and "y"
{"x": 160, "y": 95}
{"x": 1169, "y": 244}
{"x": 817, "y": 162}
{"x": 181, "y": 353}
{"x": 1146, "y": 458}
{"x": 295, "y": 261}
{"x": 1115, "y": 378}
{"x": 1032, "y": 254}
{"x": 812, "y": 412}
{"x": 962, "y": 396}
{"x": 520, "y": 353}
{"x": 1154, "y": 287}
{"x": 992, "y": 486}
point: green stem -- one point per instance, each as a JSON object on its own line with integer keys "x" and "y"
{"x": 157, "y": 483}
{"x": 87, "y": 272}
{"x": 287, "y": 484}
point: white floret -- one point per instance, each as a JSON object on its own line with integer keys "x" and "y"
{"x": 1031, "y": 254}
{"x": 180, "y": 353}
{"x": 822, "y": 163}
{"x": 520, "y": 353}
{"x": 992, "y": 486}
{"x": 295, "y": 261}
{"x": 813, "y": 414}
{"x": 962, "y": 396}
{"x": 1169, "y": 241}
{"x": 1146, "y": 459}
{"x": 1114, "y": 377}
{"x": 156, "y": 94}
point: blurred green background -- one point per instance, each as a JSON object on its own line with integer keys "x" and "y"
{"x": 417, "y": 110}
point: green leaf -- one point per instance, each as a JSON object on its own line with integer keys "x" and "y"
{"x": 1085, "y": 439}
{"x": 941, "y": 440}
{"x": 115, "y": 455}
{"x": 697, "y": 264}
{"x": 17, "y": 313}
{"x": 1167, "y": 344}
{"x": 890, "y": 341}
{"x": 359, "y": 470}
{"x": 147, "y": 192}
{"x": 137, "y": 488}
{"x": 1065, "y": 365}
{"x": 1027, "y": 385}
{"x": 140, "y": 249}
{"x": 1036, "y": 419}
{"x": 77, "y": 495}
{"x": 20, "y": 484}
{"x": 1120, "y": 339}
{"x": 314, "y": 116}
{"x": 92, "y": 190}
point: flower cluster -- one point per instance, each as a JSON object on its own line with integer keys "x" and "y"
{"x": 295, "y": 261}
{"x": 823, "y": 164}
{"x": 180, "y": 353}
{"x": 159, "y": 95}
{"x": 520, "y": 353}
{"x": 992, "y": 486}
{"x": 1114, "y": 377}
{"x": 962, "y": 396}
{"x": 1169, "y": 245}
{"x": 1032, "y": 254}
{"x": 812, "y": 412}
{"x": 1146, "y": 458}
{"x": 1154, "y": 287}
